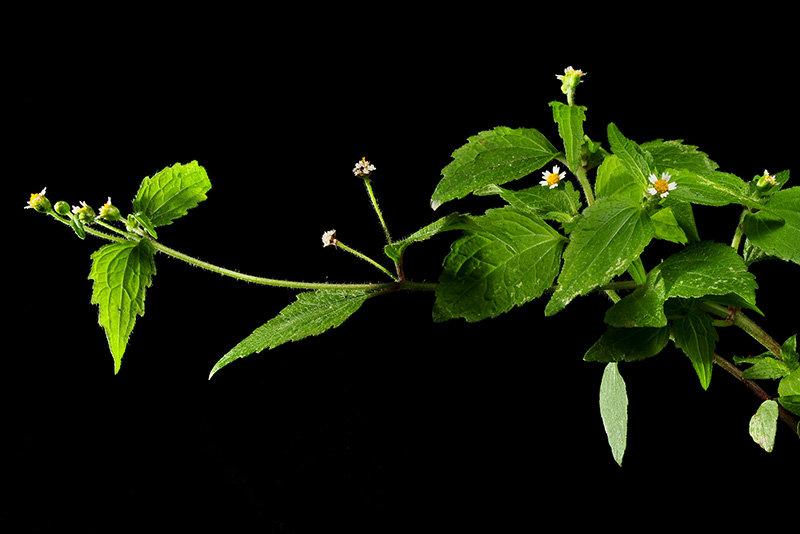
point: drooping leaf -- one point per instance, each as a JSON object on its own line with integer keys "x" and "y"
{"x": 764, "y": 425}
{"x": 454, "y": 221}
{"x": 570, "y": 121}
{"x": 675, "y": 155}
{"x": 169, "y": 194}
{"x": 696, "y": 336}
{"x": 610, "y": 235}
{"x": 776, "y": 228}
{"x": 492, "y": 157}
{"x": 614, "y": 410}
{"x": 121, "y": 273}
{"x": 510, "y": 261}
{"x": 707, "y": 268}
{"x": 711, "y": 188}
{"x": 636, "y": 160}
{"x": 628, "y": 344}
{"x": 311, "y": 314}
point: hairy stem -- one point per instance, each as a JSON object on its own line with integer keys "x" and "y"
{"x": 580, "y": 173}
{"x": 784, "y": 414}
{"x": 737, "y": 318}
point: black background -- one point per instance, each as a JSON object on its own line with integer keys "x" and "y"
{"x": 389, "y": 420}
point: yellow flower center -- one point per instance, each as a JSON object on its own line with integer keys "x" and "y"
{"x": 552, "y": 178}
{"x": 661, "y": 186}
{"x": 34, "y": 198}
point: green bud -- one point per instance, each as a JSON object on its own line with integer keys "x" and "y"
{"x": 84, "y": 213}
{"x": 762, "y": 182}
{"x": 39, "y": 202}
{"x": 62, "y": 208}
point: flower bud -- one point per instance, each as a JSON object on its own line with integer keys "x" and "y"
{"x": 84, "y": 213}
{"x": 110, "y": 212}
{"x": 765, "y": 181}
{"x": 39, "y": 202}
{"x": 61, "y": 207}
{"x": 570, "y": 79}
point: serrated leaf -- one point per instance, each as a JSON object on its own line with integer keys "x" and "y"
{"x": 707, "y": 268}
{"x": 696, "y": 336}
{"x": 764, "y": 425}
{"x": 776, "y": 228}
{"x": 614, "y": 410}
{"x": 559, "y": 204}
{"x": 613, "y": 178}
{"x": 628, "y": 344}
{"x": 311, "y": 314}
{"x": 633, "y": 157}
{"x": 454, "y": 221}
{"x": 643, "y": 307}
{"x": 121, "y": 273}
{"x": 570, "y": 121}
{"x": 764, "y": 368}
{"x": 511, "y": 261}
{"x": 492, "y": 157}
{"x": 170, "y": 193}
{"x": 610, "y": 235}
{"x": 712, "y": 188}
{"x": 675, "y": 155}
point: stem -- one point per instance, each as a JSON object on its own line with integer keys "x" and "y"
{"x": 374, "y": 200}
{"x": 737, "y": 235}
{"x": 784, "y": 414}
{"x": 89, "y": 230}
{"x": 745, "y": 323}
{"x": 365, "y": 258}
{"x": 580, "y": 173}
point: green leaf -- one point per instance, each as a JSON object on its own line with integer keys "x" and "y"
{"x": 696, "y": 336}
{"x": 559, "y": 204}
{"x": 789, "y": 353}
{"x": 614, "y": 410}
{"x": 570, "y": 121}
{"x": 171, "y": 193}
{"x": 790, "y": 384}
{"x": 121, "y": 272}
{"x": 764, "y": 367}
{"x": 776, "y": 228}
{"x": 791, "y": 403}
{"x": 145, "y": 223}
{"x": 675, "y": 155}
{"x": 684, "y": 215}
{"x": 454, "y": 221}
{"x": 77, "y": 227}
{"x": 613, "y": 178}
{"x": 764, "y": 424}
{"x": 667, "y": 226}
{"x": 492, "y": 157}
{"x": 628, "y": 344}
{"x": 511, "y": 261}
{"x": 610, "y": 235}
{"x": 707, "y": 268}
{"x": 311, "y": 314}
{"x": 636, "y": 160}
{"x": 643, "y": 307}
{"x": 712, "y": 188}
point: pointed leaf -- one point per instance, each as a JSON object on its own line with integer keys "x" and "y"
{"x": 610, "y": 235}
{"x": 628, "y": 344}
{"x": 675, "y": 155}
{"x": 667, "y": 226}
{"x": 712, "y": 188}
{"x": 613, "y": 178}
{"x": 570, "y": 121}
{"x": 559, "y": 204}
{"x": 776, "y": 228}
{"x": 121, "y": 272}
{"x": 492, "y": 157}
{"x": 643, "y": 307}
{"x": 454, "y": 221}
{"x": 511, "y": 261}
{"x": 171, "y": 193}
{"x": 636, "y": 160}
{"x": 707, "y": 268}
{"x": 614, "y": 410}
{"x": 696, "y": 336}
{"x": 764, "y": 425}
{"x": 311, "y": 314}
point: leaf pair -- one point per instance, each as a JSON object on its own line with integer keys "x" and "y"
{"x": 121, "y": 272}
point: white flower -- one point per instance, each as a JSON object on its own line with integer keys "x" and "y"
{"x": 661, "y": 186}
{"x": 363, "y": 168}
{"x": 768, "y": 178}
{"x": 329, "y": 238}
{"x": 551, "y": 179}
{"x": 569, "y": 72}
{"x": 36, "y": 199}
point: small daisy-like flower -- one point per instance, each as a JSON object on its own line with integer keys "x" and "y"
{"x": 84, "y": 212}
{"x": 551, "y": 179}
{"x": 661, "y": 186}
{"x": 570, "y": 73}
{"x": 329, "y": 238}
{"x": 767, "y": 179}
{"x": 38, "y": 201}
{"x": 363, "y": 168}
